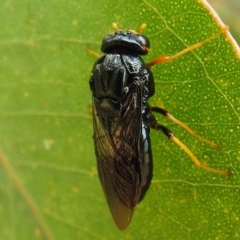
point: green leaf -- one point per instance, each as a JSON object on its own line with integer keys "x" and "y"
{"x": 49, "y": 186}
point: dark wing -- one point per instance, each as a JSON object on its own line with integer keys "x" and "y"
{"x": 118, "y": 157}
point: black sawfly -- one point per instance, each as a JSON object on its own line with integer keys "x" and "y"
{"x": 121, "y": 84}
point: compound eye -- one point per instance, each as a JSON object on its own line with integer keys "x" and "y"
{"x": 143, "y": 41}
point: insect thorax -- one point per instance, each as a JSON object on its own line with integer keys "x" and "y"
{"x": 112, "y": 78}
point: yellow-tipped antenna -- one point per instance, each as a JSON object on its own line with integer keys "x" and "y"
{"x": 115, "y": 26}
{"x": 142, "y": 27}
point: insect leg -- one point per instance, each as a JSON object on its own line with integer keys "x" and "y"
{"x": 169, "y": 116}
{"x": 93, "y": 53}
{"x": 162, "y": 59}
{"x": 155, "y": 125}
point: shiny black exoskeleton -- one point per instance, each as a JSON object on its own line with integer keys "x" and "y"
{"x": 121, "y": 84}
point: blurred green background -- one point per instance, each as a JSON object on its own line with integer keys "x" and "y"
{"x": 229, "y": 12}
